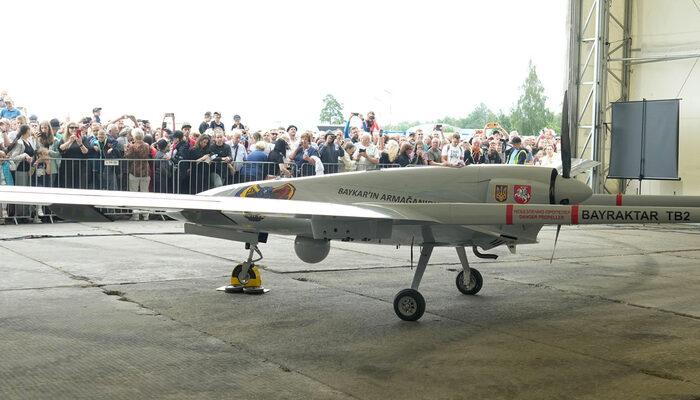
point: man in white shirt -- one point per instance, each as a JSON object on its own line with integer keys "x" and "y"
{"x": 366, "y": 153}
{"x": 293, "y": 139}
{"x": 238, "y": 154}
{"x": 452, "y": 153}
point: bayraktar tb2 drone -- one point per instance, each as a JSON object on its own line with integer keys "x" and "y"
{"x": 482, "y": 206}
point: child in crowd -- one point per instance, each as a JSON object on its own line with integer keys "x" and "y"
{"x": 42, "y": 168}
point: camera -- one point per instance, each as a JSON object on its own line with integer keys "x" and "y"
{"x": 438, "y": 127}
{"x": 362, "y": 151}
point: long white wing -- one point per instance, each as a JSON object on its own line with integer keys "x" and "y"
{"x": 84, "y": 199}
{"x": 87, "y": 201}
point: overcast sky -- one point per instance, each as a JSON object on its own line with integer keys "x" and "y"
{"x": 273, "y": 61}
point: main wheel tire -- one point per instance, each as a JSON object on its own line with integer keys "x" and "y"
{"x": 475, "y": 282}
{"x": 409, "y": 305}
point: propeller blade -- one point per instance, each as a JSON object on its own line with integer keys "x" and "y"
{"x": 556, "y": 238}
{"x": 565, "y": 139}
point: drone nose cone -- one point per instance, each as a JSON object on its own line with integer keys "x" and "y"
{"x": 571, "y": 191}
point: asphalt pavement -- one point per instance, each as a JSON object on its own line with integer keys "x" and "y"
{"x": 129, "y": 310}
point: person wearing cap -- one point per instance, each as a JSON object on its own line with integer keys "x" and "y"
{"x": 9, "y": 111}
{"x": 237, "y": 123}
{"x": 518, "y": 154}
{"x": 205, "y": 124}
{"x": 216, "y": 123}
{"x": 96, "y": 114}
{"x": 186, "y": 128}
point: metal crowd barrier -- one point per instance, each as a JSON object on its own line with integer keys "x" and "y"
{"x": 153, "y": 175}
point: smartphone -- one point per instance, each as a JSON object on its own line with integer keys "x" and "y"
{"x": 164, "y": 125}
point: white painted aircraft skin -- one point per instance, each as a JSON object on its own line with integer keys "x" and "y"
{"x": 473, "y": 184}
{"x": 383, "y": 206}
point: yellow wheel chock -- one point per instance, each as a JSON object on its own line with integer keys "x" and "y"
{"x": 250, "y": 283}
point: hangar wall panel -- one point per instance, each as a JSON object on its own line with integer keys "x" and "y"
{"x": 667, "y": 28}
{"x": 657, "y": 28}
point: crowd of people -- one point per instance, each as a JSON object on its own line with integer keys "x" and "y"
{"x": 127, "y": 153}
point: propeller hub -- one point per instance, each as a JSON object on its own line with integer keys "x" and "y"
{"x": 571, "y": 190}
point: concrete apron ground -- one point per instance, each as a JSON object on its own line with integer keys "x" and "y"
{"x": 129, "y": 310}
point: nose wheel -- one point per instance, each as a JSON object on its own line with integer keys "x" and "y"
{"x": 409, "y": 305}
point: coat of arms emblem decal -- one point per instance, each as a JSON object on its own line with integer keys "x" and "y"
{"x": 501, "y": 193}
{"x": 282, "y": 192}
{"x": 522, "y": 193}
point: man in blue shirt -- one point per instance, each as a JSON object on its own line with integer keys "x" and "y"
{"x": 9, "y": 112}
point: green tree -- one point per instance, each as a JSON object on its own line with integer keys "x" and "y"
{"x": 459, "y": 122}
{"x": 401, "y": 126}
{"x": 530, "y": 113}
{"x": 332, "y": 111}
{"x": 504, "y": 119}
{"x": 480, "y": 115}
{"x": 555, "y": 122}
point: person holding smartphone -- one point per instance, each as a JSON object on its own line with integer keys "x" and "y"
{"x": 370, "y": 124}
{"x": 348, "y": 130}
{"x": 366, "y": 153}
{"x": 72, "y": 171}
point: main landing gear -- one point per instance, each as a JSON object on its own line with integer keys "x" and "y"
{"x": 245, "y": 277}
{"x": 409, "y": 304}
